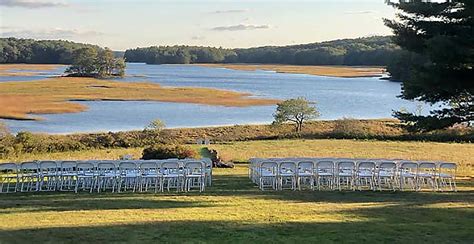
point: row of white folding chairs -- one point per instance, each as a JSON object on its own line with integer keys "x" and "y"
{"x": 157, "y": 175}
{"x": 331, "y": 173}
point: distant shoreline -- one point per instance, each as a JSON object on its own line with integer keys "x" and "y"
{"x": 320, "y": 70}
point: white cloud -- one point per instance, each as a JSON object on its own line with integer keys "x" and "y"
{"x": 240, "y": 27}
{"x": 57, "y": 33}
{"x": 32, "y": 4}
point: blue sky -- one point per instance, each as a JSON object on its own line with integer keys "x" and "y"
{"x": 125, "y": 23}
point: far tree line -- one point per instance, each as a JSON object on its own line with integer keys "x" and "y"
{"x": 377, "y": 50}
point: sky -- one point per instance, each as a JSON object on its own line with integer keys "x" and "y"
{"x": 122, "y": 24}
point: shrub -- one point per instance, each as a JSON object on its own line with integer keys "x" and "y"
{"x": 350, "y": 128}
{"x": 168, "y": 151}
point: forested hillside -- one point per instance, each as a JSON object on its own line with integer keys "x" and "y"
{"x": 13, "y": 50}
{"x": 378, "y": 50}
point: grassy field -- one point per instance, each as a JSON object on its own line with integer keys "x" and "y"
{"x": 234, "y": 210}
{"x": 18, "y": 100}
{"x": 327, "y": 70}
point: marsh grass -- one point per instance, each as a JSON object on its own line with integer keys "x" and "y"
{"x": 56, "y": 95}
{"x": 327, "y": 70}
{"x": 26, "y": 69}
{"x": 233, "y": 210}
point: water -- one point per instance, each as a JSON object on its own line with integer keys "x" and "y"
{"x": 365, "y": 98}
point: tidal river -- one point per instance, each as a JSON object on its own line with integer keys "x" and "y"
{"x": 335, "y": 98}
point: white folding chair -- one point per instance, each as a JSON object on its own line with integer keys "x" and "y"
{"x": 195, "y": 175}
{"x": 365, "y": 175}
{"x": 48, "y": 175}
{"x": 208, "y": 164}
{"x": 107, "y": 176}
{"x": 268, "y": 173}
{"x": 85, "y": 176}
{"x": 173, "y": 175}
{"x": 8, "y": 177}
{"x": 67, "y": 175}
{"x": 324, "y": 174}
{"x": 150, "y": 176}
{"x": 287, "y": 175}
{"x": 128, "y": 176}
{"x": 387, "y": 175}
{"x": 447, "y": 176}
{"x": 305, "y": 174}
{"x": 345, "y": 171}
{"x": 29, "y": 176}
{"x": 407, "y": 174}
{"x": 426, "y": 176}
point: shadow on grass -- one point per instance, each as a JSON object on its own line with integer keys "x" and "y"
{"x": 382, "y": 224}
{"x": 240, "y": 185}
{"x": 74, "y": 202}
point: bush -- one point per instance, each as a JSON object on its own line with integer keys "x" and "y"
{"x": 350, "y": 128}
{"x": 168, "y": 151}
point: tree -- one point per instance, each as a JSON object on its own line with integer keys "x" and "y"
{"x": 442, "y": 35}
{"x": 295, "y": 110}
{"x": 4, "y": 131}
{"x": 156, "y": 125}
{"x": 91, "y": 62}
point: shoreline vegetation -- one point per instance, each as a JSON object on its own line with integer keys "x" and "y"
{"x": 26, "y": 69}
{"x": 347, "y": 138}
{"x": 20, "y": 100}
{"x": 319, "y": 70}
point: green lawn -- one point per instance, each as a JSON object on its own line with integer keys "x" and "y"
{"x": 234, "y": 210}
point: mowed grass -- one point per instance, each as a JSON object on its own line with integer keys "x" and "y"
{"x": 326, "y": 70}
{"x": 18, "y": 100}
{"x": 234, "y": 210}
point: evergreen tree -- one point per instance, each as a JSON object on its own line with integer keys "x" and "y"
{"x": 441, "y": 34}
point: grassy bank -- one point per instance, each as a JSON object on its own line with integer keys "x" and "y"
{"x": 56, "y": 95}
{"x": 377, "y": 130}
{"x": 234, "y": 209}
{"x": 25, "y": 69}
{"x": 327, "y": 70}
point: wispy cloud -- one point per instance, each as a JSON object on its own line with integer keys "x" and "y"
{"x": 361, "y": 12}
{"x": 32, "y": 4}
{"x": 57, "y": 33}
{"x": 240, "y": 27}
{"x": 230, "y": 11}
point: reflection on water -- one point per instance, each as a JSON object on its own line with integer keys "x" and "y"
{"x": 336, "y": 98}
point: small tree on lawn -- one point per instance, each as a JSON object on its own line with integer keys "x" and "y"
{"x": 297, "y": 111}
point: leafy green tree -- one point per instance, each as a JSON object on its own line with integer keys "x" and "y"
{"x": 90, "y": 62}
{"x": 297, "y": 111}
{"x": 156, "y": 125}
{"x": 442, "y": 35}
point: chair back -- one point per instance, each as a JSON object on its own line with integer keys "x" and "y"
{"x": 85, "y": 169}
{"x": 305, "y": 167}
{"x": 28, "y": 167}
{"x": 287, "y": 167}
{"x": 325, "y": 167}
{"x": 48, "y": 167}
{"x": 8, "y": 168}
{"x": 195, "y": 168}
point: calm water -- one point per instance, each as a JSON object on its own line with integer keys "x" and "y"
{"x": 335, "y": 97}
